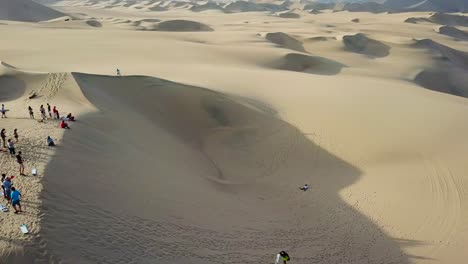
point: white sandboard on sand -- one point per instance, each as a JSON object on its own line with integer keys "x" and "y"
{"x": 277, "y": 259}
{"x": 3, "y": 208}
{"x": 24, "y": 229}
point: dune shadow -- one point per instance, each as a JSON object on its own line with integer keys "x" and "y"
{"x": 11, "y": 88}
{"x": 139, "y": 182}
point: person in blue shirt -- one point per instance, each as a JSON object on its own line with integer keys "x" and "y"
{"x": 15, "y": 199}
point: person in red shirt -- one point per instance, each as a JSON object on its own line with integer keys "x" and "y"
{"x": 64, "y": 125}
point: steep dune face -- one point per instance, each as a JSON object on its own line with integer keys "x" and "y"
{"x": 198, "y": 160}
{"x": 454, "y": 32}
{"x": 360, "y": 43}
{"x": 285, "y": 40}
{"x": 27, "y": 11}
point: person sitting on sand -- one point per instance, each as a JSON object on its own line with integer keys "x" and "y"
{"x": 7, "y": 188}
{"x": 15, "y": 199}
{"x": 70, "y": 117}
{"x": 3, "y": 136}
{"x": 50, "y": 142}
{"x": 20, "y": 161}
{"x": 64, "y": 125}
{"x": 11, "y": 147}
{"x": 31, "y": 112}
{"x": 304, "y": 188}
{"x": 15, "y": 134}
{"x": 3, "y": 111}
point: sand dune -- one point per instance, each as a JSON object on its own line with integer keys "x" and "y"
{"x": 456, "y": 57}
{"x": 26, "y": 10}
{"x": 285, "y": 41}
{"x": 195, "y": 154}
{"x": 454, "y": 32}
{"x": 182, "y": 26}
{"x": 206, "y": 6}
{"x": 310, "y": 64}
{"x": 359, "y": 43}
{"x": 442, "y": 19}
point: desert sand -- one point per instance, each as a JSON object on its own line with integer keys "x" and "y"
{"x": 197, "y": 152}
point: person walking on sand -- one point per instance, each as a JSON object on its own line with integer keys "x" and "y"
{"x": 48, "y": 110}
{"x": 56, "y": 113}
{"x": 3, "y": 111}
{"x": 11, "y": 147}
{"x": 15, "y": 134}
{"x": 7, "y": 187}
{"x": 118, "y": 72}
{"x": 3, "y": 135}
{"x": 20, "y": 161}
{"x": 31, "y": 113}
{"x": 15, "y": 199}
{"x": 3, "y": 187}
{"x": 43, "y": 113}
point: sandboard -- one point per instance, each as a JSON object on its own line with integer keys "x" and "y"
{"x": 24, "y": 229}
{"x": 277, "y": 259}
{"x": 3, "y": 208}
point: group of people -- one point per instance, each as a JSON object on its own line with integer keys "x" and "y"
{"x": 10, "y": 193}
{"x": 52, "y": 112}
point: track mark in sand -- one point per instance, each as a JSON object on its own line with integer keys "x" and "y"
{"x": 51, "y": 86}
{"x": 446, "y": 202}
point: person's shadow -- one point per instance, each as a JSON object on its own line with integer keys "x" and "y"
{"x": 195, "y": 176}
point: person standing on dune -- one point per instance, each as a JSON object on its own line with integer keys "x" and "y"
{"x": 31, "y": 113}
{"x": 48, "y": 110}
{"x": 3, "y": 135}
{"x": 43, "y": 113}
{"x": 15, "y": 199}
{"x": 56, "y": 113}
{"x": 20, "y": 161}
{"x": 15, "y": 134}
{"x": 3, "y": 111}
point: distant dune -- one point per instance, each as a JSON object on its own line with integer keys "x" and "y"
{"x": 442, "y": 19}
{"x": 360, "y": 43}
{"x": 457, "y": 57}
{"x": 454, "y": 32}
{"x": 450, "y": 75}
{"x": 310, "y": 64}
{"x": 182, "y": 25}
{"x": 27, "y": 11}
{"x": 205, "y": 7}
{"x": 285, "y": 40}
{"x": 289, "y": 15}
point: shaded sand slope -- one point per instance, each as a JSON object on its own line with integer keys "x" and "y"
{"x": 26, "y": 10}
{"x": 195, "y": 176}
